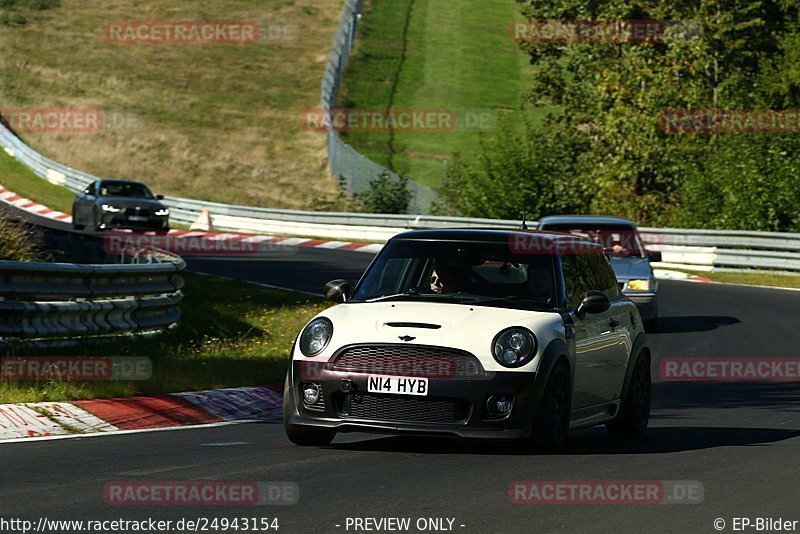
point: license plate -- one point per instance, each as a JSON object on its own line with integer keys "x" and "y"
{"x": 135, "y": 218}
{"x": 398, "y": 385}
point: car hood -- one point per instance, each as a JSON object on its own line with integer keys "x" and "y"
{"x": 631, "y": 268}
{"x": 128, "y": 202}
{"x": 465, "y": 327}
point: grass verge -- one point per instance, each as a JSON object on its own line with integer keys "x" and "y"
{"x": 215, "y": 122}
{"x": 750, "y": 278}
{"x": 453, "y": 56}
{"x": 231, "y": 334}
{"x": 16, "y": 177}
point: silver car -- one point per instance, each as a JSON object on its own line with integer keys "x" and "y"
{"x": 630, "y": 260}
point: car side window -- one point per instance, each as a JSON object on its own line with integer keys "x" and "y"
{"x": 576, "y": 283}
{"x": 605, "y": 279}
{"x": 584, "y": 272}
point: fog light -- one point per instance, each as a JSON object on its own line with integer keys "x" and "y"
{"x": 311, "y": 393}
{"x": 346, "y": 386}
{"x": 500, "y": 405}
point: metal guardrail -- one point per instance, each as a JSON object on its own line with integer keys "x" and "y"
{"x": 698, "y": 249}
{"x": 56, "y": 300}
{"x": 354, "y": 170}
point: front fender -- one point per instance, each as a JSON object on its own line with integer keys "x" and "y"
{"x": 639, "y": 348}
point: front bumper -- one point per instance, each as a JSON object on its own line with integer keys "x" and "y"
{"x": 453, "y": 406}
{"x": 126, "y": 221}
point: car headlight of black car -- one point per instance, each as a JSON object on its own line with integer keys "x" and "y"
{"x": 514, "y": 347}
{"x": 316, "y": 336}
{"x": 163, "y": 212}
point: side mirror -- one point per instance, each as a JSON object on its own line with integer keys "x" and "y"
{"x": 654, "y": 255}
{"x": 593, "y": 302}
{"x": 159, "y": 197}
{"x": 337, "y": 291}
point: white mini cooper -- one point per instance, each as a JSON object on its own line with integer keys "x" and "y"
{"x": 473, "y": 333}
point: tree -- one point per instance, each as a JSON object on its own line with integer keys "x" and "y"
{"x": 713, "y": 54}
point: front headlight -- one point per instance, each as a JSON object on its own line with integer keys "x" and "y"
{"x": 514, "y": 347}
{"x": 639, "y": 285}
{"x": 162, "y": 212}
{"x": 316, "y": 336}
{"x": 110, "y": 209}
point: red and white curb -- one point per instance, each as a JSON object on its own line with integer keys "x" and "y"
{"x": 666, "y": 274}
{"x": 34, "y": 208}
{"x": 13, "y": 199}
{"x": 53, "y": 420}
{"x": 278, "y": 241}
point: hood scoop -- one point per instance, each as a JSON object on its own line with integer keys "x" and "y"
{"x": 427, "y": 326}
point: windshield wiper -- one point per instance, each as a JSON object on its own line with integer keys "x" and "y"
{"x": 507, "y": 298}
{"x": 413, "y": 292}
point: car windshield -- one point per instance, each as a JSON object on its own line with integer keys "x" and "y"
{"x": 124, "y": 189}
{"x": 468, "y": 273}
{"x": 616, "y": 240}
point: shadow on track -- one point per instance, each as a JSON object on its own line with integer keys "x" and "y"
{"x": 592, "y": 441}
{"x": 681, "y": 325}
{"x": 783, "y": 396}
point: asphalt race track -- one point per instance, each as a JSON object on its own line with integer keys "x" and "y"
{"x": 305, "y": 269}
{"x": 739, "y": 439}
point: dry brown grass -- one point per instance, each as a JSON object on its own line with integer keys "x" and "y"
{"x": 18, "y": 242}
{"x": 215, "y": 122}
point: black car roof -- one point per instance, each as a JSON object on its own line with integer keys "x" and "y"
{"x": 490, "y": 235}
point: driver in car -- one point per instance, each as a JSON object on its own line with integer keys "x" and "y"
{"x": 450, "y": 276}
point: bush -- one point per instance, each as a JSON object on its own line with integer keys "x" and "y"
{"x": 386, "y": 195}
{"x": 528, "y": 172}
{"x": 18, "y": 242}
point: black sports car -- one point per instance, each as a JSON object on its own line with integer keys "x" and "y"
{"x": 119, "y": 204}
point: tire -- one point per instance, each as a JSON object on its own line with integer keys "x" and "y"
{"x": 94, "y": 226}
{"x": 75, "y": 224}
{"x": 634, "y": 416}
{"x": 551, "y": 426}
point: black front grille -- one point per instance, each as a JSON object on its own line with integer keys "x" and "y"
{"x": 137, "y": 212}
{"x": 407, "y": 360}
{"x": 397, "y": 409}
